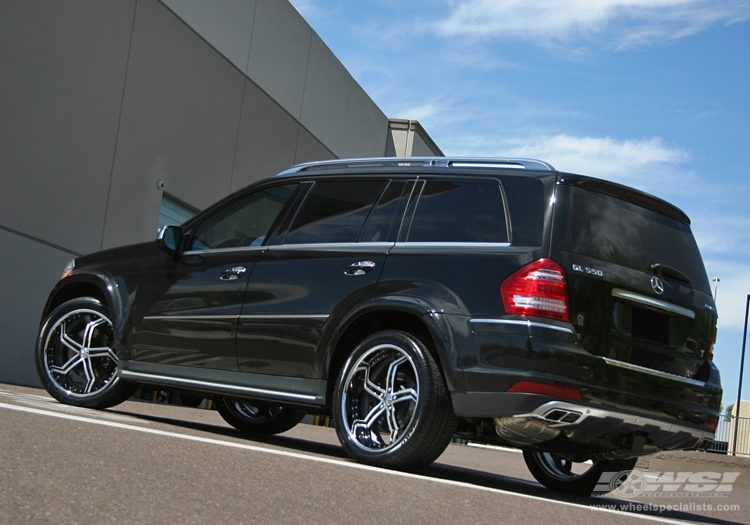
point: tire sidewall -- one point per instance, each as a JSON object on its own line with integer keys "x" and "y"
{"x": 582, "y": 485}
{"x": 110, "y": 395}
{"x": 395, "y": 456}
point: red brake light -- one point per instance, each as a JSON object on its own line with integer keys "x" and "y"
{"x": 538, "y": 289}
{"x": 532, "y": 387}
{"x": 710, "y": 354}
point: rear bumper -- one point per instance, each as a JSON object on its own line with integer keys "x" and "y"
{"x": 569, "y": 417}
{"x": 665, "y": 411}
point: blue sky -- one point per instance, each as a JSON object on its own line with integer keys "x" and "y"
{"x": 650, "y": 93}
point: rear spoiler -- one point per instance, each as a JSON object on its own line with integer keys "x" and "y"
{"x": 625, "y": 193}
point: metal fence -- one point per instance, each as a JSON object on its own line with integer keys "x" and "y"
{"x": 724, "y": 443}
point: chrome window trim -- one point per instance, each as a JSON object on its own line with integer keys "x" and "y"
{"x": 651, "y": 371}
{"x": 325, "y": 246}
{"x": 141, "y": 376}
{"x": 480, "y": 245}
{"x": 652, "y": 302}
{"x": 517, "y": 322}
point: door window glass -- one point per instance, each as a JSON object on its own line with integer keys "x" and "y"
{"x": 450, "y": 211}
{"x": 244, "y": 222}
{"x": 334, "y": 212}
{"x": 385, "y": 219}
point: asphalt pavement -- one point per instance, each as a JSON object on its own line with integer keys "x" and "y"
{"x": 153, "y": 463}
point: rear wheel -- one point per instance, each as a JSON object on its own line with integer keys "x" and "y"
{"x": 258, "y": 417}
{"x": 391, "y": 407}
{"x": 582, "y": 479}
{"x": 75, "y": 356}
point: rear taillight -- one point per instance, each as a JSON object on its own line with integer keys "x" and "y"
{"x": 710, "y": 355}
{"x": 538, "y": 289}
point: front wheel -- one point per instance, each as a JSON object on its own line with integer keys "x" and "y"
{"x": 75, "y": 356}
{"x": 581, "y": 479}
{"x": 258, "y": 417}
{"x": 391, "y": 407}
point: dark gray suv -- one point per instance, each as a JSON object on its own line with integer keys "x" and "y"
{"x": 414, "y": 300}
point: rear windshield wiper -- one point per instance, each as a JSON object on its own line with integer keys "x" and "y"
{"x": 669, "y": 273}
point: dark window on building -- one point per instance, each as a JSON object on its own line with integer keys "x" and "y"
{"x": 244, "y": 222}
{"x": 334, "y": 212}
{"x": 385, "y": 219}
{"x": 450, "y": 211}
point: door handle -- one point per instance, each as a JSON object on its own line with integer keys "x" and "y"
{"x": 359, "y": 268}
{"x": 232, "y": 274}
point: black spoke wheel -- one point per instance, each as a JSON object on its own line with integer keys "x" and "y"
{"x": 391, "y": 406}
{"x": 75, "y": 356}
{"x": 259, "y": 417}
{"x": 582, "y": 479}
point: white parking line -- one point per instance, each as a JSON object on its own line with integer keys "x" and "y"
{"x": 337, "y": 462}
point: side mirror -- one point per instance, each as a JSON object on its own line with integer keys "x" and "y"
{"x": 171, "y": 239}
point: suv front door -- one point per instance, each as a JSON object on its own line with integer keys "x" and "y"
{"x": 187, "y": 305}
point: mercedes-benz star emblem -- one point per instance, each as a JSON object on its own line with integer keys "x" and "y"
{"x": 657, "y": 285}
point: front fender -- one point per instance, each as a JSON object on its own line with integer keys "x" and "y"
{"x": 114, "y": 290}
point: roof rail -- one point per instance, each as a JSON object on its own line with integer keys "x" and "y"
{"x": 427, "y": 162}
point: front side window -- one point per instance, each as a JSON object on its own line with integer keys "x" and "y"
{"x": 451, "y": 211}
{"x": 244, "y": 222}
{"x": 334, "y": 212}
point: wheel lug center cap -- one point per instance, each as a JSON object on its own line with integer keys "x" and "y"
{"x": 85, "y": 353}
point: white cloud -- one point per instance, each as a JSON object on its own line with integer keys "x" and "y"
{"x": 617, "y": 23}
{"x": 627, "y": 161}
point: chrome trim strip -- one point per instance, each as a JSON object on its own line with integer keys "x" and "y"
{"x": 329, "y": 246}
{"x": 651, "y": 371}
{"x": 140, "y": 376}
{"x": 285, "y": 316}
{"x": 226, "y": 250}
{"x": 654, "y": 303}
{"x": 524, "y": 323}
{"x": 597, "y": 413}
{"x": 190, "y": 318}
{"x": 489, "y": 245}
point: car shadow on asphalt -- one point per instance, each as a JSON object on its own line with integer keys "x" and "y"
{"x": 436, "y": 470}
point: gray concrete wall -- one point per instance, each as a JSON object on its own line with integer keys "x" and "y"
{"x": 100, "y": 100}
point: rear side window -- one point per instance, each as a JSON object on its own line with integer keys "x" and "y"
{"x": 452, "y": 211}
{"x": 334, "y": 212}
{"x": 613, "y": 230}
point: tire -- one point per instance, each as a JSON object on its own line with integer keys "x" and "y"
{"x": 258, "y": 417}
{"x": 557, "y": 473}
{"x": 391, "y": 406}
{"x": 75, "y": 356}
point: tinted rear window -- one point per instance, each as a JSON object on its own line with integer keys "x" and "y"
{"x": 334, "y": 212}
{"x": 616, "y": 231}
{"x": 450, "y": 211}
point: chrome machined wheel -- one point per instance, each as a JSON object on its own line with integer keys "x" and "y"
{"x": 75, "y": 356}
{"x": 391, "y": 407}
{"x": 78, "y": 353}
{"x": 381, "y": 397}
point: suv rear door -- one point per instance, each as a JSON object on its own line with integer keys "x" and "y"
{"x": 323, "y": 260}
{"x": 639, "y": 295}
